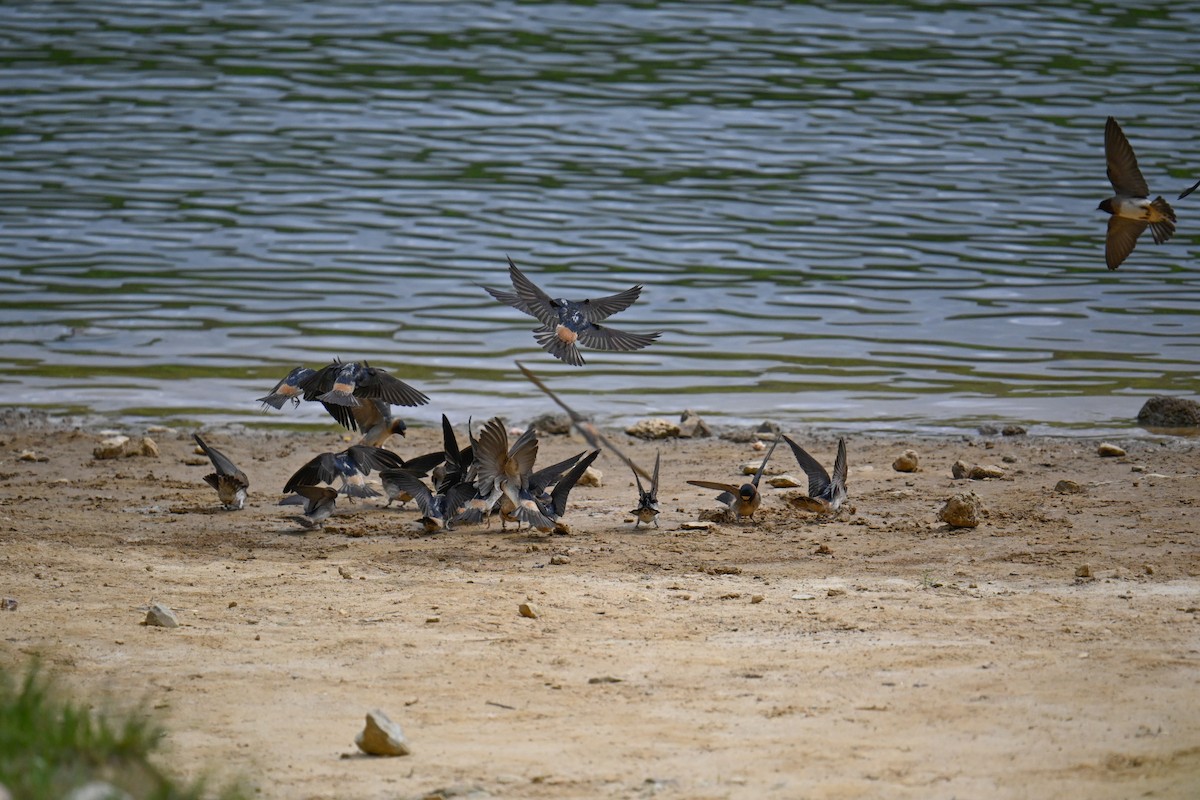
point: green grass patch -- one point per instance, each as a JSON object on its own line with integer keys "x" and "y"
{"x": 51, "y": 745}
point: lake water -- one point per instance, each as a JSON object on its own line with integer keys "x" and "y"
{"x": 851, "y": 216}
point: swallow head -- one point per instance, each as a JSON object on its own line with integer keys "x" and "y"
{"x": 1106, "y": 205}
{"x": 747, "y": 492}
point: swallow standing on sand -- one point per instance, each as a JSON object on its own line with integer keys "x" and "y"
{"x": 1131, "y": 209}
{"x": 647, "y": 509}
{"x": 351, "y": 466}
{"x": 319, "y": 502}
{"x": 287, "y": 389}
{"x": 1186, "y": 192}
{"x": 742, "y": 500}
{"x": 418, "y": 466}
{"x": 229, "y": 481}
{"x": 826, "y": 493}
{"x": 565, "y": 322}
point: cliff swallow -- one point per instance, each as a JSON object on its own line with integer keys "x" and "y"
{"x": 1131, "y": 209}
{"x": 418, "y": 466}
{"x": 555, "y": 506}
{"x": 503, "y": 471}
{"x": 438, "y": 510}
{"x": 287, "y": 389}
{"x": 742, "y": 500}
{"x": 536, "y": 496}
{"x": 318, "y": 506}
{"x": 229, "y": 481}
{"x": 346, "y": 383}
{"x": 1186, "y": 192}
{"x": 456, "y": 464}
{"x": 374, "y": 418}
{"x": 565, "y": 322}
{"x": 647, "y": 509}
{"x": 351, "y": 466}
{"x": 827, "y": 493}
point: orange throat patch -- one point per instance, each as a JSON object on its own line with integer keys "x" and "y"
{"x": 565, "y": 334}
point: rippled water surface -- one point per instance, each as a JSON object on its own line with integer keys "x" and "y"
{"x": 855, "y": 216}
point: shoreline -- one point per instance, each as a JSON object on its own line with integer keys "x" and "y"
{"x": 843, "y": 656}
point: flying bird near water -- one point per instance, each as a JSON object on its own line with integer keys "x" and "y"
{"x": 229, "y": 481}
{"x": 567, "y": 323}
{"x": 826, "y": 492}
{"x": 1131, "y": 209}
{"x": 350, "y": 466}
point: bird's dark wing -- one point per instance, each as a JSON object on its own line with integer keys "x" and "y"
{"x": 367, "y": 458}
{"x": 420, "y": 465}
{"x": 558, "y": 498}
{"x": 839, "y": 468}
{"x": 536, "y": 302}
{"x": 606, "y": 338}
{"x": 653, "y": 480}
{"x": 758, "y": 475}
{"x": 1123, "y": 172}
{"x": 219, "y": 461}
{"x": 411, "y": 483}
{"x": 1186, "y": 192}
{"x": 343, "y": 414}
{"x": 720, "y": 487}
{"x": 321, "y": 469}
{"x": 604, "y": 307}
{"x": 546, "y": 476}
{"x": 320, "y": 381}
{"x": 818, "y": 478}
{"x": 317, "y": 496}
{"x": 1121, "y": 239}
{"x": 509, "y": 298}
{"x": 379, "y": 384}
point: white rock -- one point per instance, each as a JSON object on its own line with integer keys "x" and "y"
{"x": 162, "y": 617}
{"x": 382, "y": 737}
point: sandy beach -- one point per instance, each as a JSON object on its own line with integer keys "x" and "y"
{"x": 1052, "y": 651}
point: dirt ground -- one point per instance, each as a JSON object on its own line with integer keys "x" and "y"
{"x": 877, "y": 654}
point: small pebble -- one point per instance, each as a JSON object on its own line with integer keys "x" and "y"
{"x": 984, "y": 472}
{"x": 559, "y": 560}
{"x": 756, "y": 598}
{"x": 1012, "y": 430}
{"x": 1109, "y": 450}
{"x": 959, "y": 470}
{"x": 1066, "y": 486}
{"x": 528, "y": 610}
{"x": 1083, "y": 571}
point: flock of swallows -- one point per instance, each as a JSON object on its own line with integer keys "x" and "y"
{"x": 488, "y": 476}
{"x": 491, "y": 476}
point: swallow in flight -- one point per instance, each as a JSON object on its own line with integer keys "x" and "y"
{"x": 1131, "y": 209}
{"x": 566, "y": 323}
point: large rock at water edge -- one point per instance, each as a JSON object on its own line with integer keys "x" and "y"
{"x": 1169, "y": 412}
